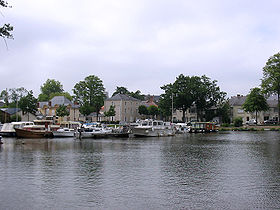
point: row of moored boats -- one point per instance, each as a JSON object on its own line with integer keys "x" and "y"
{"x": 45, "y": 128}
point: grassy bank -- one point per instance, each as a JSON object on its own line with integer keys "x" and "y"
{"x": 251, "y": 128}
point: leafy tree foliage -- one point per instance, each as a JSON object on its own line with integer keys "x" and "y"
{"x": 137, "y": 94}
{"x": 90, "y": 93}
{"x": 255, "y": 102}
{"x": 165, "y": 102}
{"x": 237, "y": 122}
{"x": 50, "y": 87}
{"x": 143, "y": 110}
{"x": 153, "y": 110}
{"x": 111, "y": 112}
{"x": 62, "y": 111}
{"x": 86, "y": 109}
{"x": 5, "y": 96}
{"x": 189, "y": 91}
{"x": 65, "y": 94}
{"x": 15, "y": 118}
{"x": 271, "y": 78}
{"x": 6, "y": 29}
{"x": 123, "y": 90}
{"x": 28, "y": 104}
{"x": 13, "y": 95}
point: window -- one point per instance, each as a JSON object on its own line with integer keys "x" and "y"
{"x": 266, "y": 118}
{"x": 240, "y": 110}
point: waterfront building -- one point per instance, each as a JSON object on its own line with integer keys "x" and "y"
{"x": 126, "y": 107}
{"x": 6, "y": 115}
{"x": 48, "y": 108}
{"x": 237, "y": 101}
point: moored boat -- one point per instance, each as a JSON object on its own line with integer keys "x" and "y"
{"x": 153, "y": 128}
{"x": 93, "y": 131}
{"x": 203, "y": 127}
{"x": 33, "y": 133}
{"x": 8, "y": 129}
{"x": 64, "y": 132}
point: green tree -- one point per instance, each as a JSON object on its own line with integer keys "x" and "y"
{"x": 223, "y": 112}
{"x": 15, "y": 94}
{"x": 51, "y": 86}
{"x": 6, "y": 29}
{"x": 5, "y": 95}
{"x": 237, "y": 122}
{"x": 153, "y": 111}
{"x": 90, "y": 93}
{"x": 143, "y": 110}
{"x": 15, "y": 118}
{"x": 271, "y": 78}
{"x": 86, "y": 109}
{"x": 62, "y": 111}
{"x": 121, "y": 90}
{"x": 255, "y": 102}
{"x": 189, "y": 91}
{"x": 111, "y": 112}
{"x": 137, "y": 94}
{"x": 65, "y": 94}
{"x": 207, "y": 95}
{"x": 28, "y": 104}
{"x": 165, "y": 101}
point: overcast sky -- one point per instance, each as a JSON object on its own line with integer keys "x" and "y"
{"x": 138, "y": 44}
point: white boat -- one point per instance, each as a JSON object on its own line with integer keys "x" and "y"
{"x": 93, "y": 131}
{"x": 182, "y": 128}
{"x": 8, "y": 129}
{"x": 64, "y": 132}
{"x": 153, "y": 128}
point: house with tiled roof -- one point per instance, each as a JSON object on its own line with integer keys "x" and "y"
{"x": 236, "y": 103}
{"x": 6, "y": 115}
{"x": 126, "y": 107}
{"x": 48, "y": 108}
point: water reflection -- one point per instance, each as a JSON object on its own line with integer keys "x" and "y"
{"x": 230, "y": 170}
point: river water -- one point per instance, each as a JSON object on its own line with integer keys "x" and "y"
{"x": 225, "y": 170}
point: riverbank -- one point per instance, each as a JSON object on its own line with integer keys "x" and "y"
{"x": 252, "y": 128}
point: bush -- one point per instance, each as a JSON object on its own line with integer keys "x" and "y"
{"x": 225, "y": 125}
{"x": 238, "y": 122}
{"x": 14, "y": 118}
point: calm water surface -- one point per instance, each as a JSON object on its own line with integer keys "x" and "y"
{"x": 231, "y": 170}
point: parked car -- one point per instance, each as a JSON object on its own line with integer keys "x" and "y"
{"x": 270, "y": 122}
{"x": 251, "y": 122}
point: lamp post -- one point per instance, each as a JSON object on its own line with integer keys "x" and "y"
{"x": 172, "y": 108}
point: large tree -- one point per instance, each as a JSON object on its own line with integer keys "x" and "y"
{"x": 28, "y": 104}
{"x": 143, "y": 110}
{"x": 188, "y": 91}
{"x": 111, "y": 112}
{"x": 90, "y": 93}
{"x": 255, "y": 102}
{"x": 165, "y": 101}
{"x": 207, "y": 95}
{"x": 6, "y": 29}
{"x": 123, "y": 90}
{"x": 271, "y": 78}
{"x": 13, "y": 95}
{"x": 153, "y": 111}
{"x": 50, "y": 87}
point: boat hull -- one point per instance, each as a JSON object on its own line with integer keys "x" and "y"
{"x": 152, "y": 132}
{"x": 63, "y": 134}
{"x": 23, "y": 133}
